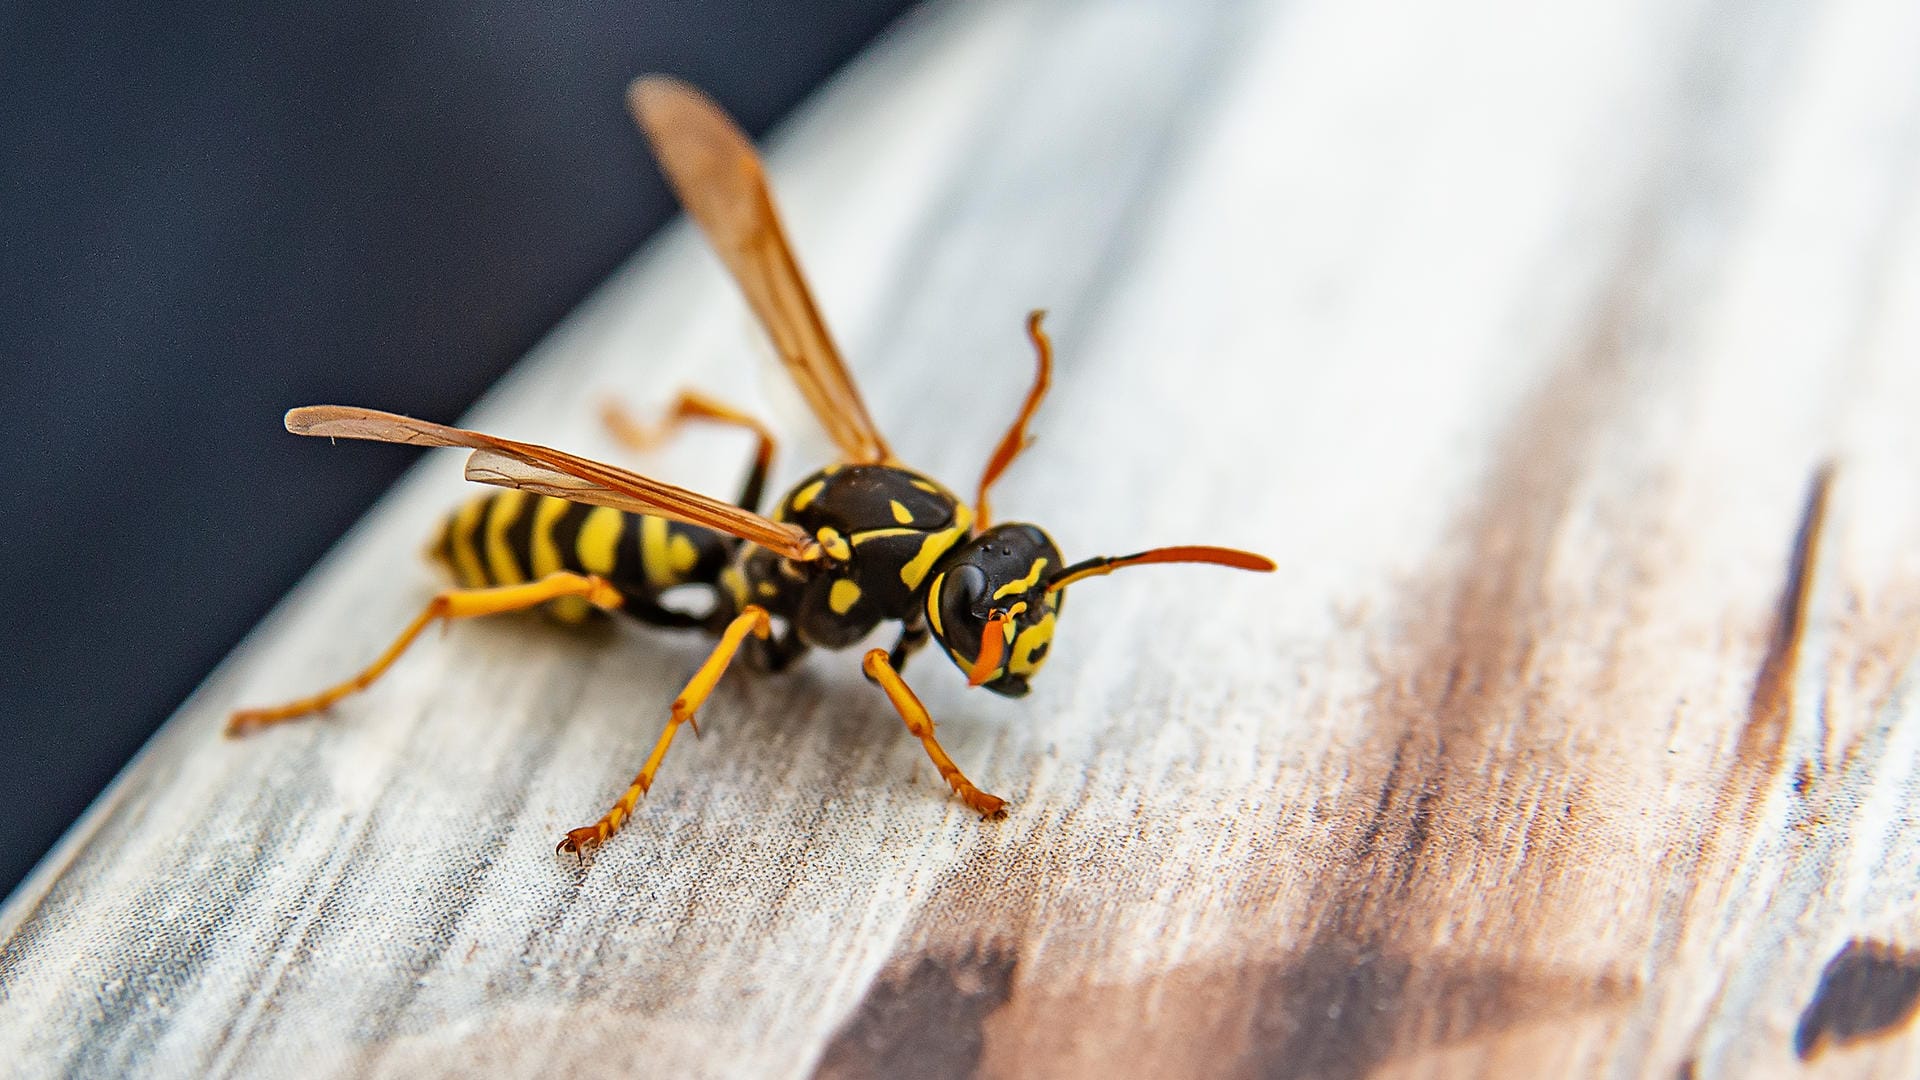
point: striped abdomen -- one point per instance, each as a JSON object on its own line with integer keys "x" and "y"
{"x": 509, "y": 537}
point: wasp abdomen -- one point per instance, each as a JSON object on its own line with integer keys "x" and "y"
{"x": 510, "y": 537}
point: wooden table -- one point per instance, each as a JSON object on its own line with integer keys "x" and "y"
{"x": 1566, "y": 357}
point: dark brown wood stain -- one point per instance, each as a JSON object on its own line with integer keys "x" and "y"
{"x": 1339, "y": 1012}
{"x": 1368, "y": 987}
{"x": 925, "y": 1022}
{"x": 1770, "y": 713}
{"x": 1867, "y": 989}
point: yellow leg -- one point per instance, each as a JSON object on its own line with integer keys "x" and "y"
{"x": 751, "y": 620}
{"x": 689, "y": 405}
{"x": 450, "y": 605}
{"x": 693, "y": 405}
{"x": 920, "y": 726}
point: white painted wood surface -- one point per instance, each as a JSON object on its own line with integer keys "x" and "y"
{"x": 1518, "y": 334}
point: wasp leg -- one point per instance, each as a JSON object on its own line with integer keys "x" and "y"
{"x": 1016, "y": 438}
{"x": 920, "y": 726}
{"x": 751, "y": 620}
{"x": 450, "y": 605}
{"x": 912, "y": 637}
{"x": 693, "y": 405}
{"x": 777, "y": 653}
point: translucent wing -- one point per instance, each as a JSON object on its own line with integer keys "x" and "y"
{"x": 720, "y": 181}
{"x": 541, "y": 469}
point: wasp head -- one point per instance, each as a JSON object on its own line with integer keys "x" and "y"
{"x": 991, "y": 609}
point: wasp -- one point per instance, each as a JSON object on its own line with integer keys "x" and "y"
{"x": 861, "y": 542}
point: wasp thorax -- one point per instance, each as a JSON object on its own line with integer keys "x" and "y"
{"x": 1001, "y": 572}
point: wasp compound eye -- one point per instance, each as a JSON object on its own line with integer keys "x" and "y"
{"x": 964, "y": 607}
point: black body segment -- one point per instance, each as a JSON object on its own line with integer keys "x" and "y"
{"x": 884, "y": 531}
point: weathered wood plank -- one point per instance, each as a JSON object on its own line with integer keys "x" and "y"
{"x": 1566, "y": 360}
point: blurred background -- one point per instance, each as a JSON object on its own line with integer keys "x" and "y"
{"x": 212, "y": 212}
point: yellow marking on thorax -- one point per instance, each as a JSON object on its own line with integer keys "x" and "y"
{"x": 1030, "y": 639}
{"x": 466, "y": 561}
{"x": 843, "y": 596}
{"x": 833, "y": 544}
{"x": 767, "y": 589}
{"x": 599, "y": 539}
{"x": 936, "y": 545}
{"x": 926, "y": 486}
{"x": 876, "y": 534}
{"x": 900, "y": 513}
{"x": 806, "y": 495}
{"x": 501, "y": 563}
{"x": 1025, "y": 583}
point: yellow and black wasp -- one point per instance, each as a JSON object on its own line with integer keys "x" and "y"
{"x": 861, "y": 542}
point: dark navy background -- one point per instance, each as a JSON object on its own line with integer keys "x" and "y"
{"x": 211, "y": 212}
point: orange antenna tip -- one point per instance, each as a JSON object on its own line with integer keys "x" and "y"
{"x": 1191, "y": 553}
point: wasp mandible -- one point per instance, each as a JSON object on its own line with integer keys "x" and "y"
{"x": 861, "y": 542}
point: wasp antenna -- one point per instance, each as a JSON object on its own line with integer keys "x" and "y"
{"x": 1016, "y": 438}
{"x": 1107, "y": 564}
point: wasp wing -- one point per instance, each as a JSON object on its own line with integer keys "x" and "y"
{"x": 547, "y": 471}
{"x": 719, "y": 178}
{"x": 503, "y": 469}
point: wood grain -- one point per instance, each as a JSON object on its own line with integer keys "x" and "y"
{"x": 1565, "y": 359}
